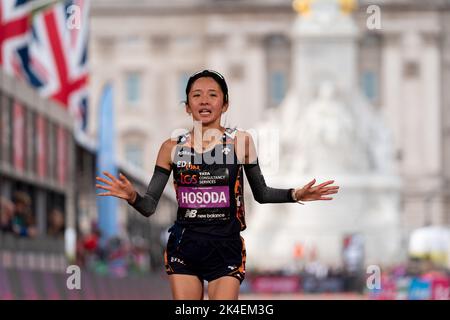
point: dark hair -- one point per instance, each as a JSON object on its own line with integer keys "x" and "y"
{"x": 211, "y": 74}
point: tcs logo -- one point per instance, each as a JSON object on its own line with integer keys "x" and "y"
{"x": 189, "y": 178}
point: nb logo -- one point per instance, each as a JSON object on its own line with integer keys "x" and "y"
{"x": 190, "y": 213}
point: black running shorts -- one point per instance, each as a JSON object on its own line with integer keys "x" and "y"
{"x": 205, "y": 257}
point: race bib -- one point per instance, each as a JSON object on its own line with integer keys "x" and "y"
{"x": 203, "y": 195}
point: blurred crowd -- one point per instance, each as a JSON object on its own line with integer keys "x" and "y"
{"x": 18, "y": 218}
{"x": 415, "y": 279}
{"x": 418, "y": 279}
{"x": 118, "y": 257}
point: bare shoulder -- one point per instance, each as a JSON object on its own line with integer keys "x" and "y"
{"x": 244, "y": 138}
{"x": 168, "y": 147}
{"x": 242, "y": 135}
{"x": 245, "y": 148}
{"x": 169, "y": 144}
{"x": 165, "y": 154}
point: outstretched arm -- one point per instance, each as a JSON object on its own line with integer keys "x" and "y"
{"x": 122, "y": 188}
{"x": 246, "y": 152}
{"x": 261, "y": 192}
{"x": 146, "y": 205}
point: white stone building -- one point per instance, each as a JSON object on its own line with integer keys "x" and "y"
{"x": 148, "y": 48}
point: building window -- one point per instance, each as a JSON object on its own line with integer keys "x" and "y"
{"x": 134, "y": 154}
{"x": 133, "y": 87}
{"x": 51, "y": 163}
{"x": 277, "y": 83}
{"x": 369, "y": 85}
{"x": 369, "y": 57}
{"x": 278, "y": 61}
{"x": 31, "y": 134}
{"x": 6, "y": 129}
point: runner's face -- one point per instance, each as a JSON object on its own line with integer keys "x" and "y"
{"x": 206, "y": 100}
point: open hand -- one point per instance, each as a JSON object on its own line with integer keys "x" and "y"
{"x": 310, "y": 192}
{"x": 120, "y": 188}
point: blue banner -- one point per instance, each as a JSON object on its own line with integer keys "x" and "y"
{"x": 106, "y": 161}
{"x": 419, "y": 289}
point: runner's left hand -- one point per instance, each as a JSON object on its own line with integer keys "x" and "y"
{"x": 311, "y": 193}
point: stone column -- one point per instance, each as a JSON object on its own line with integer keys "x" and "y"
{"x": 419, "y": 112}
{"x": 446, "y": 114}
{"x": 390, "y": 87}
{"x": 432, "y": 78}
{"x": 254, "y": 101}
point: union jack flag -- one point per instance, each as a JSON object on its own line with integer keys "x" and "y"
{"x": 54, "y": 61}
{"x": 14, "y": 33}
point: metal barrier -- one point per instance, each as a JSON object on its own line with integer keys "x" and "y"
{"x": 18, "y": 284}
{"x": 36, "y": 268}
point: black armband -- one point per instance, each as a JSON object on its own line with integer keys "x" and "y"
{"x": 261, "y": 192}
{"x": 147, "y": 204}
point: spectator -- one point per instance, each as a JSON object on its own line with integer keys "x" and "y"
{"x": 91, "y": 240}
{"x": 6, "y": 215}
{"x": 23, "y": 223}
{"x": 93, "y": 254}
{"x": 117, "y": 254}
{"x": 55, "y": 223}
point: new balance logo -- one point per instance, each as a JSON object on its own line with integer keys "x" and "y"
{"x": 190, "y": 213}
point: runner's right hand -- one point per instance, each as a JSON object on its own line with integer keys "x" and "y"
{"x": 120, "y": 188}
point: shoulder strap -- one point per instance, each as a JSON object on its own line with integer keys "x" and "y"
{"x": 230, "y": 133}
{"x": 183, "y": 138}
